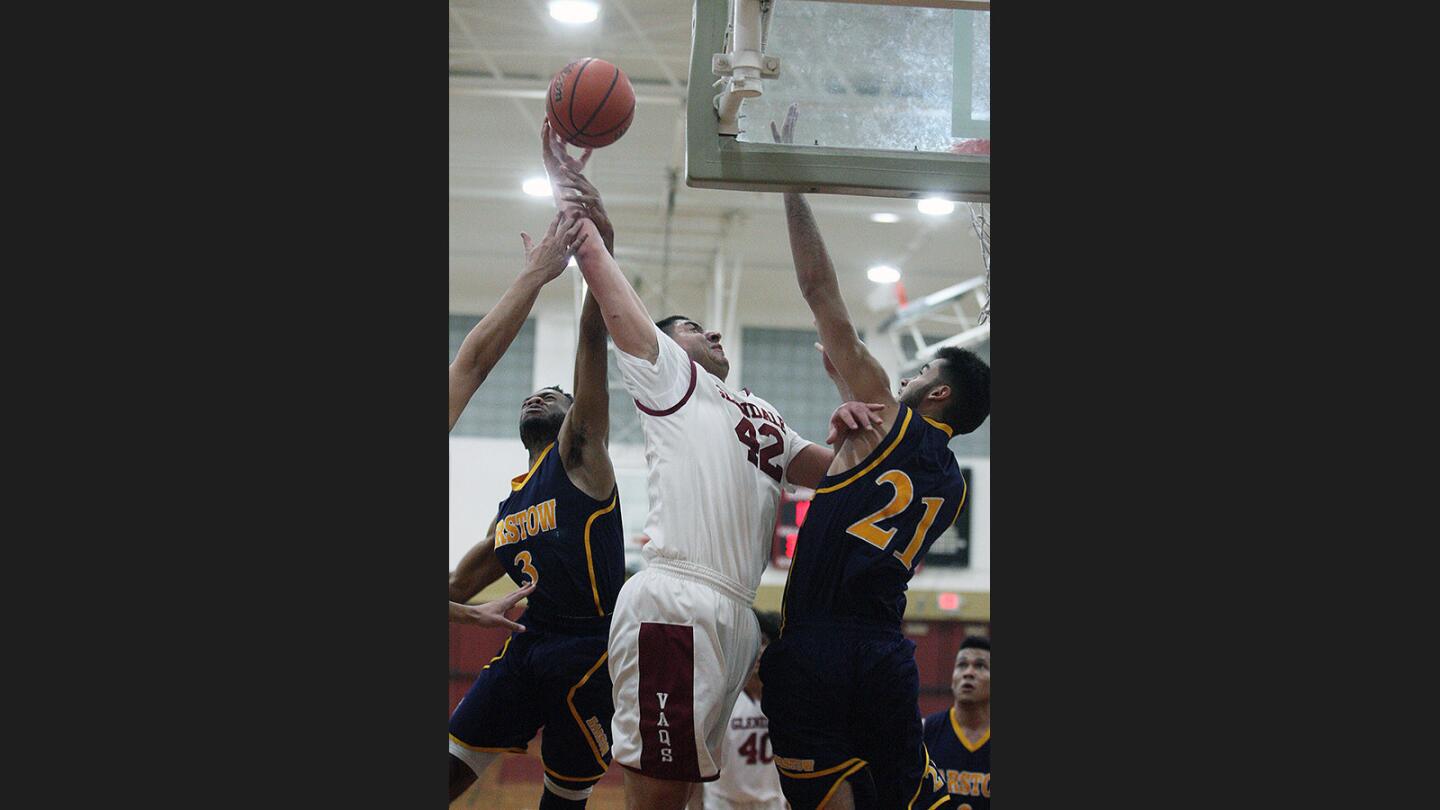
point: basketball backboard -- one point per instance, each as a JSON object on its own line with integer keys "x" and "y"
{"x": 894, "y": 97}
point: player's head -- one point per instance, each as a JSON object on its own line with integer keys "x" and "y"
{"x": 970, "y": 680}
{"x": 541, "y": 415}
{"x": 769, "y": 631}
{"x": 954, "y": 388}
{"x": 703, "y": 347}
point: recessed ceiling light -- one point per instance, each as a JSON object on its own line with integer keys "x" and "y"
{"x": 935, "y": 206}
{"x": 574, "y": 11}
{"x": 884, "y": 216}
{"x": 883, "y": 274}
{"x": 536, "y": 187}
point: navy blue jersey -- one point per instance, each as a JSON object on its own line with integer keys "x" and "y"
{"x": 868, "y": 527}
{"x": 962, "y": 763}
{"x": 569, "y": 544}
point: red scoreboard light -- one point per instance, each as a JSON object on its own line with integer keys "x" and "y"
{"x": 788, "y": 520}
{"x": 949, "y": 601}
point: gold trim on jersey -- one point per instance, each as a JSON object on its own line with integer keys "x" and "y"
{"x": 964, "y": 491}
{"x": 826, "y": 772}
{"x": 868, "y": 467}
{"x": 825, "y": 800}
{"x": 932, "y": 773}
{"x": 470, "y": 747}
{"x": 585, "y": 730}
{"x": 949, "y": 431}
{"x": 503, "y": 648}
{"x": 960, "y": 734}
{"x": 518, "y": 482}
{"x": 589, "y": 560}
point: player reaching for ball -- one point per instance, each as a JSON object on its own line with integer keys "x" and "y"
{"x": 684, "y": 636}
{"x": 841, "y": 684}
{"x": 559, "y": 532}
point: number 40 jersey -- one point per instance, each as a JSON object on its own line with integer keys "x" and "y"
{"x": 717, "y": 459}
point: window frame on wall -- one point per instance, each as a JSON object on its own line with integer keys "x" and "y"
{"x": 494, "y": 410}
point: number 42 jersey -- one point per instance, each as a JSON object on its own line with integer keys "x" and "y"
{"x": 717, "y": 459}
{"x": 869, "y": 526}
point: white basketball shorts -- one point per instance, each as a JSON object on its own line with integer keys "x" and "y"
{"x": 682, "y": 642}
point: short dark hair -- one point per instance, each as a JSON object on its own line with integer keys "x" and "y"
{"x": 977, "y": 642}
{"x": 769, "y": 624}
{"x": 664, "y": 324}
{"x": 561, "y": 390}
{"x": 969, "y": 379}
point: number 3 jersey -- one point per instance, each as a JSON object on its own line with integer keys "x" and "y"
{"x": 869, "y": 526}
{"x": 717, "y": 459}
{"x": 571, "y": 545}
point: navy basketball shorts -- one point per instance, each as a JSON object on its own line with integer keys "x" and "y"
{"x": 549, "y": 679}
{"x": 842, "y": 701}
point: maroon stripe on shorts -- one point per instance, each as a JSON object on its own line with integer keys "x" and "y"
{"x": 667, "y": 695}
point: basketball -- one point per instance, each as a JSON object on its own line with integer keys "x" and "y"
{"x": 590, "y": 103}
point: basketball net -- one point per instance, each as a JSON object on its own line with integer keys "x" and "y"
{"x": 980, "y": 221}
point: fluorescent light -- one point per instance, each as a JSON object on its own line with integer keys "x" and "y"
{"x": 574, "y": 11}
{"x": 536, "y": 187}
{"x": 883, "y": 274}
{"x": 935, "y": 206}
{"x": 884, "y": 216}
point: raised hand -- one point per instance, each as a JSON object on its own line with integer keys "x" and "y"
{"x": 549, "y": 257}
{"x": 786, "y": 135}
{"x": 852, "y": 417}
{"x": 555, "y": 155}
{"x": 577, "y": 192}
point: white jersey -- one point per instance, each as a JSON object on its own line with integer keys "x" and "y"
{"x": 717, "y": 459}
{"x": 748, "y": 778}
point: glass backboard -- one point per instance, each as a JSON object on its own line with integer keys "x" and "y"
{"x": 894, "y": 100}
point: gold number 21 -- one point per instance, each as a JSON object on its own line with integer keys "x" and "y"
{"x": 866, "y": 530}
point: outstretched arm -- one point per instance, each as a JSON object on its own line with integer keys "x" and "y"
{"x": 585, "y": 433}
{"x": 626, "y": 318}
{"x": 487, "y": 342}
{"x": 857, "y": 369}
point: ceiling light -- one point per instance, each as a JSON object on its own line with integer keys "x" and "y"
{"x": 574, "y": 11}
{"x": 536, "y": 187}
{"x": 883, "y": 274}
{"x": 935, "y": 206}
{"x": 884, "y": 216}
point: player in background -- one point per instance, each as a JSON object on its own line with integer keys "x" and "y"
{"x": 560, "y": 534}
{"x": 748, "y": 780}
{"x": 684, "y": 637}
{"x": 482, "y": 349}
{"x": 959, "y": 737}
{"x": 841, "y": 684}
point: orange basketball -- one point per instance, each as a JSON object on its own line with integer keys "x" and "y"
{"x": 590, "y": 103}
